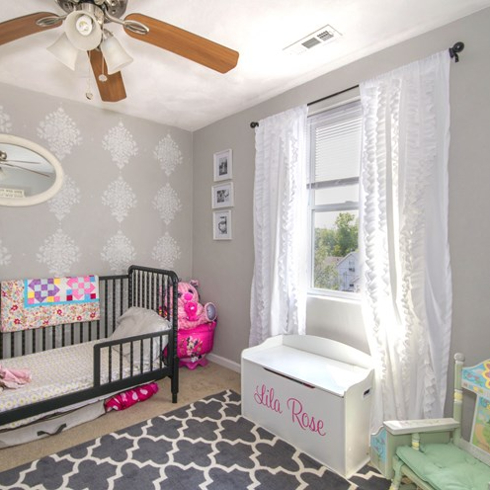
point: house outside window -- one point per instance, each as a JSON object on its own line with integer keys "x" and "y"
{"x": 333, "y": 208}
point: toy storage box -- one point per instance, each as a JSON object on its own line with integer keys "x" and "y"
{"x": 193, "y": 344}
{"x": 314, "y": 393}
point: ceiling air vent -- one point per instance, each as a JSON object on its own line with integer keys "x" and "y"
{"x": 318, "y": 38}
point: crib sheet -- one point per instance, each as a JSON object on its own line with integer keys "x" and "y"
{"x": 57, "y": 372}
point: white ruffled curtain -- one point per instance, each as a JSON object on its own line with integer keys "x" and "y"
{"x": 278, "y": 302}
{"x": 407, "y": 293}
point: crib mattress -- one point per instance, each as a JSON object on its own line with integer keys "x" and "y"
{"x": 57, "y": 372}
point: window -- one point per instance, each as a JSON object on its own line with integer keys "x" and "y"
{"x": 333, "y": 184}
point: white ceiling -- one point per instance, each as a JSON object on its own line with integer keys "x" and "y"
{"x": 166, "y": 88}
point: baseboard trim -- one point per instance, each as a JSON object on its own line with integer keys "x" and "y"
{"x": 222, "y": 361}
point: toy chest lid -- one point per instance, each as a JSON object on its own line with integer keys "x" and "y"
{"x": 312, "y": 369}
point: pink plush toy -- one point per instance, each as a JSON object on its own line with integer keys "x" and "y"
{"x": 191, "y": 312}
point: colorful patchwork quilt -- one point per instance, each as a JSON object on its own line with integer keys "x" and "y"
{"x": 33, "y": 303}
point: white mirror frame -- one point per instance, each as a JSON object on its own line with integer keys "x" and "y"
{"x": 43, "y": 196}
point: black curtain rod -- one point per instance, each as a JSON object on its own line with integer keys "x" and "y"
{"x": 453, "y": 52}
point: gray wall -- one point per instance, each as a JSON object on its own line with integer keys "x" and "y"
{"x": 120, "y": 172}
{"x": 225, "y": 268}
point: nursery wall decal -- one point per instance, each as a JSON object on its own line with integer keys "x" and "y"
{"x": 69, "y": 195}
{"x": 5, "y": 124}
{"x": 120, "y": 198}
{"x": 118, "y": 252}
{"x": 168, "y": 153}
{"x": 166, "y": 252}
{"x": 5, "y": 256}
{"x": 167, "y": 203}
{"x": 5, "y": 127}
{"x": 120, "y": 144}
{"x": 59, "y": 251}
{"x": 60, "y": 131}
{"x": 125, "y": 198}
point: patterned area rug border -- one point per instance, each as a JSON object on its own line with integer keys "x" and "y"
{"x": 204, "y": 445}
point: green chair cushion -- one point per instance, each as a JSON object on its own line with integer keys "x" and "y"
{"x": 446, "y": 467}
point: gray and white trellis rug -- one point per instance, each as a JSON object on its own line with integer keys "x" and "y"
{"x": 204, "y": 445}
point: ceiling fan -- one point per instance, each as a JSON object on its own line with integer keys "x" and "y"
{"x": 85, "y": 29}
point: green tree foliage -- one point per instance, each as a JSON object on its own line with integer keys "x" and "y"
{"x": 330, "y": 243}
{"x": 346, "y": 234}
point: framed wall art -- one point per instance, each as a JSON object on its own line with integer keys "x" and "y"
{"x": 222, "y": 225}
{"x": 222, "y": 195}
{"x": 222, "y": 165}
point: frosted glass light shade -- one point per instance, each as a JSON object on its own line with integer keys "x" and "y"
{"x": 64, "y": 51}
{"x": 79, "y": 31}
{"x": 115, "y": 56}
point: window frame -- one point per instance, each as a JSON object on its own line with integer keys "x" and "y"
{"x": 333, "y": 207}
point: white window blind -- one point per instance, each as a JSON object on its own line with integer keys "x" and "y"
{"x": 336, "y": 143}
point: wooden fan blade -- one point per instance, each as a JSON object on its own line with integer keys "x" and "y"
{"x": 184, "y": 43}
{"x": 112, "y": 90}
{"x": 14, "y": 29}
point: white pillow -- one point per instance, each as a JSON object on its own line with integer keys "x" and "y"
{"x": 140, "y": 321}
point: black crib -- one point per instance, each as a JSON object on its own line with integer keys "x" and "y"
{"x": 142, "y": 286}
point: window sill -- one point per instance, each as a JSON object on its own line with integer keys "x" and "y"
{"x": 346, "y": 298}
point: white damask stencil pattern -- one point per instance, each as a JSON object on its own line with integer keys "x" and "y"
{"x": 69, "y": 194}
{"x": 5, "y": 124}
{"x": 120, "y": 198}
{"x": 168, "y": 153}
{"x": 166, "y": 252}
{"x": 59, "y": 252}
{"x": 121, "y": 145}
{"x": 5, "y": 257}
{"x": 118, "y": 252}
{"x": 167, "y": 203}
{"x": 61, "y": 133}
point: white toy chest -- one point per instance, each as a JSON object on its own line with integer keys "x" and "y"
{"x": 314, "y": 393}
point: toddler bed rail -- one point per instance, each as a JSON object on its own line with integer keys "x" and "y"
{"x": 118, "y": 364}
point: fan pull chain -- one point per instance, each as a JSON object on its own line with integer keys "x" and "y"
{"x": 89, "y": 93}
{"x": 102, "y": 76}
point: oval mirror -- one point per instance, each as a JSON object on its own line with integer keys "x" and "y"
{"x": 29, "y": 174}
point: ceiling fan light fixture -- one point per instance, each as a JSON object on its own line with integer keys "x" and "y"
{"x": 115, "y": 55}
{"x": 83, "y": 27}
{"x": 64, "y": 51}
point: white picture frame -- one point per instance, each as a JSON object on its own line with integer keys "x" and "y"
{"x": 222, "y": 196}
{"x": 222, "y": 225}
{"x": 222, "y": 165}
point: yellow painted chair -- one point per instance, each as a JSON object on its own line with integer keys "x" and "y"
{"x": 431, "y": 454}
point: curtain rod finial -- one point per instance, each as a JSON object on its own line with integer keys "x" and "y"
{"x": 457, "y": 48}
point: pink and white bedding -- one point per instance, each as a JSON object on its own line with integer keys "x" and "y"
{"x": 57, "y": 372}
